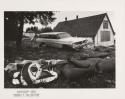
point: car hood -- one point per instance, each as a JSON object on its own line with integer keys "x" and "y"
{"x": 73, "y": 39}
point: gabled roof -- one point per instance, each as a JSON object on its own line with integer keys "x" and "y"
{"x": 86, "y": 27}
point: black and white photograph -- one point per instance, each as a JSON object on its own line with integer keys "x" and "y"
{"x": 59, "y": 49}
{"x": 62, "y": 49}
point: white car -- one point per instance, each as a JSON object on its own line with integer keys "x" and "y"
{"x": 61, "y": 39}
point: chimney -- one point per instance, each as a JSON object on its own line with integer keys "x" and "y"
{"x": 65, "y": 18}
{"x": 77, "y": 16}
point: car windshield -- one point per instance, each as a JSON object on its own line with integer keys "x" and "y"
{"x": 63, "y": 35}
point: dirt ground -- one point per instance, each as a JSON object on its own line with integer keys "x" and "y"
{"x": 105, "y": 80}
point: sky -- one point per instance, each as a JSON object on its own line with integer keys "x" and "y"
{"x": 60, "y": 16}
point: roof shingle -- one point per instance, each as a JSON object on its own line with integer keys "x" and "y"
{"x": 86, "y": 27}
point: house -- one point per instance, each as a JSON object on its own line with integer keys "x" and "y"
{"x": 97, "y": 27}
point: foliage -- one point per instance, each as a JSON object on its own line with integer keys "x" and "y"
{"x": 46, "y": 29}
{"x": 32, "y": 29}
{"x": 14, "y": 21}
{"x": 36, "y": 30}
{"x": 44, "y": 17}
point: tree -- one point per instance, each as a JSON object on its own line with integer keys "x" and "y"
{"x": 32, "y": 29}
{"x": 46, "y": 29}
{"x": 14, "y": 21}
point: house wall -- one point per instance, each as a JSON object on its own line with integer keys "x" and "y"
{"x": 97, "y": 38}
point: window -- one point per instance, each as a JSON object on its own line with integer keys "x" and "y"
{"x": 105, "y": 36}
{"x": 53, "y": 37}
{"x": 43, "y": 36}
{"x": 105, "y": 24}
{"x": 48, "y": 36}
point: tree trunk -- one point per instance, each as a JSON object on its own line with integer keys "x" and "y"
{"x": 19, "y": 35}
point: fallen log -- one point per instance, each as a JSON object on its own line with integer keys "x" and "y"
{"x": 95, "y": 55}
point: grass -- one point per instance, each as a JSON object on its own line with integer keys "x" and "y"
{"x": 106, "y": 80}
